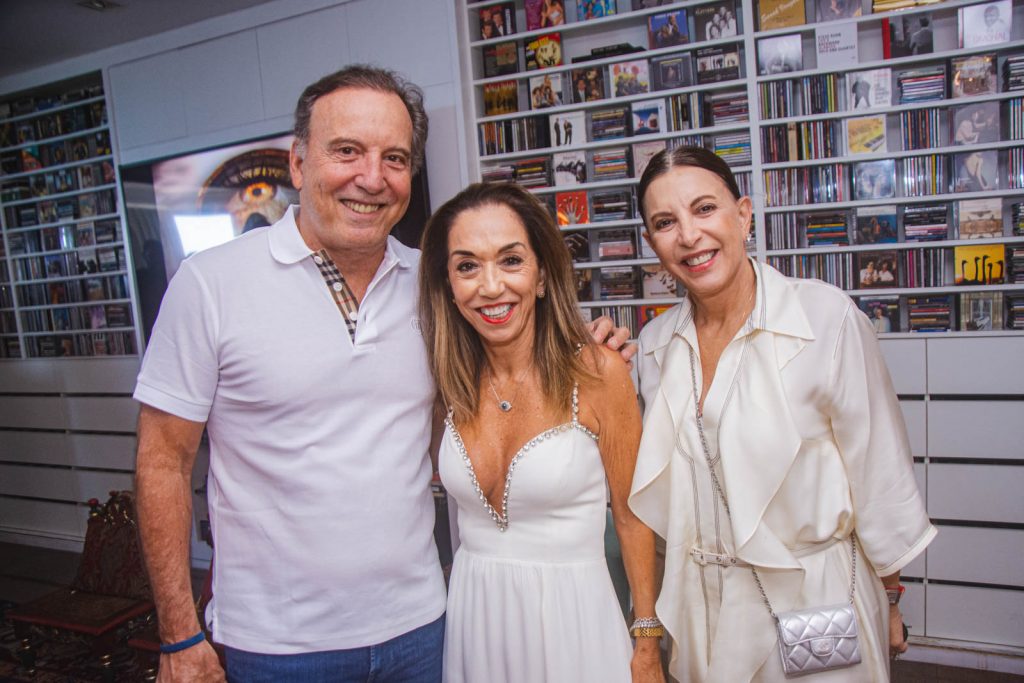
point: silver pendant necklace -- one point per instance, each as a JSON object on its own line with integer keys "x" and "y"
{"x": 506, "y": 406}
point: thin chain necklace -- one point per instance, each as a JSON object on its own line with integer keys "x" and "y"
{"x": 506, "y": 406}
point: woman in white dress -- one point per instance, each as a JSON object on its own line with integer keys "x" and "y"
{"x": 539, "y": 419}
{"x": 773, "y": 440}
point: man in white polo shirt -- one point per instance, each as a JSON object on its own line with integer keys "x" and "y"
{"x": 297, "y": 348}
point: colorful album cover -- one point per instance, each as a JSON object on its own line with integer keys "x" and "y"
{"x": 545, "y": 91}
{"x": 594, "y": 9}
{"x": 981, "y": 311}
{"x": 866, "y": 134}
{"x": 630, "y": 78}
{"x": 570, "y": 167}
{"x": 658, "y": 283}
{"x": 976, "y": 171}
{"x": 544, "y": 13}
{"x": 643, "y": 152}
{"x": 974, "y": 75}
{"x": 671, "y": 72}
{"x": 543, "y": 51}
{"x": 876, "y": 225}
{"x": 714, "y": 21}
{"x": 571, "y": 207}
{"x": 501, "y": 59}
{"x": 649, "y": 117}
{"x": 501, "y": 98}
{"x": 877, "y": 269}
{"x": 780, "y": 13}
{"x": 834, "y": 10}
{"x": 717, "y": 64}
{"x": 567, "y": 128}
{"x": 649, "y": 312}
{"x": 883, "y": 312}
{"x": 975, "y": 123}
{"x": 497, "y": 20}
{"x": 667, "y": 29}
{"x": 979, "y": 218}
{"x": 979, "y": 264}
{"x": 587, "y": 84}
{"x": 874, "y": 179}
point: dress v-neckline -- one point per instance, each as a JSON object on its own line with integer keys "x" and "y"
{"x": 501, "y": 518}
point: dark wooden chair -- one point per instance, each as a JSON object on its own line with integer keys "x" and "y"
{"x": 109, "y": 595}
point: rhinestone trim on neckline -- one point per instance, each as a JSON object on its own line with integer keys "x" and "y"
{"x": 501, "y": 518}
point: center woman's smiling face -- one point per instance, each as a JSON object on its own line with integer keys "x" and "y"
{"x": 697, "y": 228}
{"x": 494, "y": 274}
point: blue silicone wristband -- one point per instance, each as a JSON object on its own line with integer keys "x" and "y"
{"x": 182, "y": 644}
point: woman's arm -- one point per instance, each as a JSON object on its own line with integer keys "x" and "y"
{"x": 612, "y": 404}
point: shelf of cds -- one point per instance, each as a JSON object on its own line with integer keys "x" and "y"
{"x": 882, "y": 142}
{"x": 64, "y": 285}
{"x": 571, "y": 99}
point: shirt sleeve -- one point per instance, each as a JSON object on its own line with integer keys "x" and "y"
{"x": 180, "y": 369}
{"x": 867, "y": 423}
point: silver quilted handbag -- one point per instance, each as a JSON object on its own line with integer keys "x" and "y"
{"x": 817, "y": 639}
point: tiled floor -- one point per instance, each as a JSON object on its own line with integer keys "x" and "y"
{"x": 29, "y": 572}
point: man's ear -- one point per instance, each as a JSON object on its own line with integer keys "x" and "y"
{"x": 295, "y": 159}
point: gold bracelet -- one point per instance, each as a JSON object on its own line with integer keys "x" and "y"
{"x": 647, "y": 631}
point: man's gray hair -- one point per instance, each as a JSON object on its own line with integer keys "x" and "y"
{"x": 371, "y": 78}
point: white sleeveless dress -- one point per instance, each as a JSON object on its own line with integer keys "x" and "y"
{"x": 530, "y": 598}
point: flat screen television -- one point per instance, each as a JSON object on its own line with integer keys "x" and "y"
{"x": 179, "y": 205}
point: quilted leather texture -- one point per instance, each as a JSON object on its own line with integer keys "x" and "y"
{"x": 819, "y": 638}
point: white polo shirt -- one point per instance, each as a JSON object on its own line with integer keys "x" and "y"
{"x": 319, "y": 491}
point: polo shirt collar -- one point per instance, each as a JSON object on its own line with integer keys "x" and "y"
{"x": 287, "y": 245}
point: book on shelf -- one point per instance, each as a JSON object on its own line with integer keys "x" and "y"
{"x": 1013, "y": 73}
{"x": 611, "y": 205}
{"x": 617, "y": 282}
{"x": 870, "y": 88}
{"x": 630, "y": 78}
{"x": 834, "y": 10}
{"x": 570, "y": 167}
{"x": 118, "y": 315}
{"x": 108, "y": 260}
{"x": 587, "y": 84}
{"x": 85, "y": 235}
{"x": 667, "y": 29}
{"x": 643, "y": 152}
{"x": 105, "y": 231}
{"x": 922, "y": 85}
{"x": 657, "y": 283}
{"x": 714, "y": 20}
{"x": 866, "y": 134}
{"x": 1016, "y": 220}
{"x": 564, "y": 124}
{"x": 497, "y": 20}
{"x": 88, "y": 261}
{"x": 926, "y": 222}
{"x": 976, "y": 171}
{"x": 545, "y": 91}
{"x": 594, "y": 9}
{"x": 532, "y": 172}
{"x": 670, "y": 72}
{"x": 716, "y": 64}
{"x": 780, "y": 54}
{"x": 835, "y": 46}
{"x": 981, "y": 311}
{"x": 974, "y": 123}
{"x": 501, "y": 98}
{"x": 93, "y": 289}
{"x": 734, "y": 148}
{"x": 906, "y": 36}
{"x": 874, "y": 179}
{"x": 544, "y": 13}
{"x": 615, "y": 244}
{"x": 649, "y": 117}
{"x": 780, "y": 13}
{"x": 97, "y": 317}
{"x": 578, "y": 244}
{"x": 979, "y": 264}
{"x": 882, "y": 311}
{"x": 649, "y": 312}
{"x": 543, "y": 51}
{"x": 987, "y": 23}
{"x": 876, "y": 224}
{"x": 877, "y": 269}
{"x": 979, "y": 218}
{"x": 1015, "y": 270}
{"x": 606, "y": 124}
{"x": 611, "y": 163}
{"x": 501, "y": 59}
{"x": 974, "y": 75}
{"x": 827, "y": 228}
{"x": 571, "y": 207}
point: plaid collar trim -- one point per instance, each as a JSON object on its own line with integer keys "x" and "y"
{"x": 339, "y": 290}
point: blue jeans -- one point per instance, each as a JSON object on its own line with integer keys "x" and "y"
{"x": 414, "y": 657}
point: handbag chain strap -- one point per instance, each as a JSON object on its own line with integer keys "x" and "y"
{"x": 725, "y": 503}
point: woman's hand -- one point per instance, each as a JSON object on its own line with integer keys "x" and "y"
{"x": 897, "y": 643}
{"x": 646, "y": 664}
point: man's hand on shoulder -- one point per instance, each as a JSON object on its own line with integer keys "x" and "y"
{"x": 603, "y": 331}
{"x": 197, "y": 664}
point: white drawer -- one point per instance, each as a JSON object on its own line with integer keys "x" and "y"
{"x": 982, "y": 615}
{"x": 977, "y": 555}
{"x": 917, "y": 426}
{"x": 906, "y": 361}
{"x": 983, "y": 493}
{"x": 912, "y": 607}
{"x": 975, "y": 429}
{"x": 976, "y": 365}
